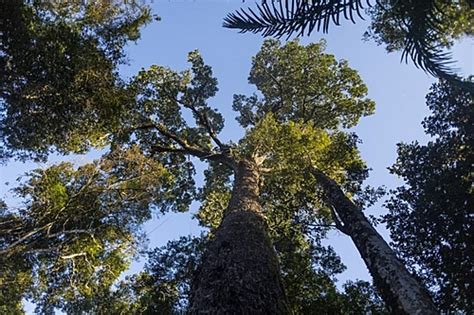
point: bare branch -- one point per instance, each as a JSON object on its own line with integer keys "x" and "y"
{"x": 203, "y": 119}
{"x": 187, "y": 148}
{"x": 25, "y": 237}
{"x": 73, "y": 255}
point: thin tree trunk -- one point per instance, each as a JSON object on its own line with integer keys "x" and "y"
{"x": 240, "y": 272}
{"x": 402, "y": 293}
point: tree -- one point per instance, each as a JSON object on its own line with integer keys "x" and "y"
{"x": 402, "y": 293}
{"x": 239, "y": 261}
{"x": 59, "y": 88}
{"x": 59, "y": 84}
{"x": 420, "y": 29}
{"x": 289, "y": 125}
{"x": 79, "y": 228}
{"x": 430, "y": 217}
{"x": 163, "y": 287}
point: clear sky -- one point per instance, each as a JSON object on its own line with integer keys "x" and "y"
{"x": 398, "y": 90}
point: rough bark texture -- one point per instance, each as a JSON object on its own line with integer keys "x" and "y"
{"x": 240, "y": 272}
{"x": 402, "y": 293}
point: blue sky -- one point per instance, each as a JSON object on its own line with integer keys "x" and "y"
{"x": 398, "y": 89}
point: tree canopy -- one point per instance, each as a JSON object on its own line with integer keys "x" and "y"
{"x": 60, "y": 88}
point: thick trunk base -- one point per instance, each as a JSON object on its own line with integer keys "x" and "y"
{"x": 240, "y": 272}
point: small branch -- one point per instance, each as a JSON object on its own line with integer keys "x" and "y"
{"x": 203, "y": 119}
{"x": 265, "y": 170}
{"x": 25, "y": 237}
{"x": 38, "y": 251}
{"x": 73, "y": 255}
{"x": 322, "y": 225}
{"x": 161, "y": 149}
{"x": 280, "y": 90}
{"x": 218, "y": 157}
{"x": 186, "y": 147}
{"x": 76, "y": 231}
{"x": 337, "y": 221}
{"x": 259, "y": 159}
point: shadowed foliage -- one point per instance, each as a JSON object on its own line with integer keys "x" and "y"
{"x": 59, "y": 83}
{"x": 430, "y": 218}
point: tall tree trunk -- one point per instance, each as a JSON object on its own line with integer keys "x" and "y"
{"x": 402, "y": 293}
{"x": 240, "y": 272}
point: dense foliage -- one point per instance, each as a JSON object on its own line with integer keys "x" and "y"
{"x": 79, "y": 228}
{"x": 387, "y": 28}
{"x": 430, "y": 218}
{"x": 59, "y": 84}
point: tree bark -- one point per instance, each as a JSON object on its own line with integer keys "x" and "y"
{"x": 402, "y": 293}
{"x": 240, "y": 272}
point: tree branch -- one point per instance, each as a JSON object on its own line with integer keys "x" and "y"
{"x": 203, "y": 119}
{"x": 337, "y": 221}
{"x": 187, "y": 148}
{"x": 73, "y": 256}
{"x": 24, "y": 237}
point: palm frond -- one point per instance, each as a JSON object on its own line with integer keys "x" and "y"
{"x": 287, "y": 17}
{"x": 421, "y": 24}
{"x": 421, "y": 30}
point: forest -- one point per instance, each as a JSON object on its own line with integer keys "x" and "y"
{"x": 105, "y": 136}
